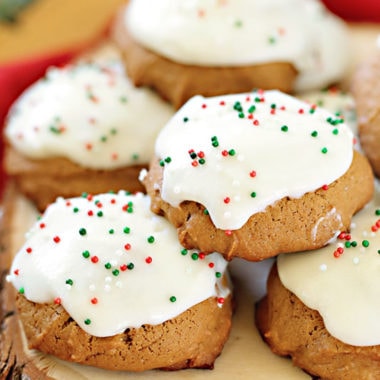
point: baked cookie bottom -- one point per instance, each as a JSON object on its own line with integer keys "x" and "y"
{"x": 178, "y": 82}
{"x": 366, "y": 92}
{"x": 194, "y": 339}
{"x": 292, "y": 329}
{"x": 289, "y": 225}
{"x": 42, "y": 181}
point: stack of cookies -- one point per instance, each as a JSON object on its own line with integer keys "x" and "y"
{"x": 117, "y": 279}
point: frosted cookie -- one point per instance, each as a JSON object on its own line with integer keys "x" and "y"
{"x": 82, "y": 128}
{"x": 322, "y": 307}
{"x": 215, "y": 47}
{"x": 104, "y": 282}
{"x": 257, "y": 174}
{"x": 366, "y": 92}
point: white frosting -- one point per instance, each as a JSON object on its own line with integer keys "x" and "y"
{"x": 90, "y": 114}
{"x": 287, "y": 163}
{"x": 105, "y": 301}
{"x": 245, "y": 32}
{"x": 345, "y": 289}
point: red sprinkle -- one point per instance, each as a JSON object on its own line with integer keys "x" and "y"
{"x": 211, "y": 265}
{"x": 222, "y": 103}
{"x": 201, "y": 255}
{"x": 16, "y": 272}
{"x": 204, "y": 105}
{"x": 94, "y": 259}
{"x": 29, "y": 250}
{"x": 252, "y": 174}
{"x": 301, "y": 111}
{"x": 56, "y": 239}
{"x": 194, "y": 163}
{"x": 148, "y": 260}
{"x": 227, "y": 200}
{"x": 94, "y": 301}
{"x": 90, "y": 213}
{"x": 325, "y": 187}
{"x": 127, "y": 247}
{"x": 228, "y": 232}
{"x": 221, "y": 300}
{"x": 256, "y": 122}
{"x": 57, "y": 301}
{"x": 42, "y": 225}
{"x": 123, "y": 267}
{"x": 225, "y": 153}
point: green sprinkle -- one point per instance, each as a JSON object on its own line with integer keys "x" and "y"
{"x": 168, "y": 159}
{"x": 354, "y": 243}
{"x": 377, "y": 212}
{"x": 75, "y": 209}
{"x": 378, "y": 251}
{"x": 86, "y": 254}
{"x": 205, "y": 211}
{"x": 195, "y": 256}
{"x": 218, "y": 274}
{"x": 324, "y": 150}
{"x": 284, "y": 128}
{"x": 184, "y": 252}
{"x": 103, "y": 139}
{"x": 113, "y": 131}
{"x": 107, "y": 265}
{"x": 347, "y": 244}
{"x": 335, "y": 131}
{"x": 150, "y": 239}
{"x": 232, "y": 152}
{"x": 84, "y": 195}
{"x": 135, "y": 156}
{"x": 115, "y": 272}
{"x": 82, "y": 231}
{"x": 172, "y": 299}
{"x": 312, "y": 110}
{"x": 162, "y": 163}
{"x": 202, "y": 161}
{"x": 365, "y": 243}
{"x": 185, "y": 119}
{"x": 99, "y": 214}
{"x": 69, "y": 282}
{"x": 111, "y": 231}
{"x": 21, "y": 290}
{"x": 314, "y": 134}
{"x": 238, "y": 107}
{"x": 253, "y": 194}
{"x": 252, "y": 109}
{"x": 126, "y": 230}
{"x": 87, "y": 321}
{"x": 241, "y": 115}
{"x": 123, "y": 99}
{"x": 130, "y": 266}
{"x": 273, "y": 106}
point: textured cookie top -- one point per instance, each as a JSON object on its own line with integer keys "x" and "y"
{"x": 245, "y": 32}
{"x": 90, "y": 114}
{"x": 237, "y": 154}
{"x": 342, "y": 280}
{"x": 113, "y": 265}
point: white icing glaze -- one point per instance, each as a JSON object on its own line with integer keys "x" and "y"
{"x": 245, "y": 32}
{"x": 89, "y": 113}
{"x": 286, "y": 163}
{"x": 52, "y": 265}
{"x": 345, "y": 289}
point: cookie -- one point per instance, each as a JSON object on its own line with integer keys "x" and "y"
{"x": 321, "y": 308}
{"x": 230, "y": 47}
{"x": 257, "y": 174}
{"x": 104, "y": 282}
{"x": 83, "y": 127}
{"x": 366, "y": 92}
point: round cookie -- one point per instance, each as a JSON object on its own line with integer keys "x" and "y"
{"x": 257, "y": 174}
{"x": 322, "y": 307}
{"x": 218, "y": 47}
{"x": 104, "y": 282}
{"x": 84, "y": 127}
{"x": 366, "y": 93}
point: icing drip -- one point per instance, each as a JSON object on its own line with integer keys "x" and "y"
{"x": 237, "y": 154}
{"x": 90, "y": 114}
{"x": 113, "y": 264}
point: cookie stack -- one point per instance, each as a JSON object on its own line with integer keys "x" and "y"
{"x": 135, "y": 282}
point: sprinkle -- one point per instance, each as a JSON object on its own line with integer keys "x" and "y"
{"x": 218, "y": 275}
{"x": 148, "y": 260}
{"x": 111, "y": 231}
{"x": 115, "y": 272}
{"x": 94, "y": 259}
{"x": 16, "y": 272}
{"x": 194, "y": 256}
{"x": 211, "y": 265}
{"x": 69, "y": 281}
{"x": 130, "y": 266}
{"x": 56, "y": 239}
{"x": 325, "y": 187}
{"x": 107, "y": 265}
{"x": 21, "y": 290}
{"x": 232, "y": 152}
{"x": 228, "y": 232}
{"x": 324, "y": 150}
{"x": 123, "y": 267}
{"x": 184, "y": 252}
{"x": 42, "y": 225}
{"x": 253, "y": 194}
{"x": 365, "y": 243}
{"x": 29, "y": 250}
{"x": 172, "y": 299}
{"x": 185, "y": 119}
{"x": 57, "y": 300}
{"x": 252, "y": 174}
{"x": 314, "y": 134}
{"x": 284, "y": 128}
{"x": 126, "y": 230}
{"x": 227, "y": 200}
{"x": 221, "y": 300}
{"x": 94, "y": 301}
{"x": 201, "y": 255}
{"x": 87, "y": 321}
{"x": 127, "y": 247}
{"x": 82, "y": 231}
{"x": 86, "y": 254}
